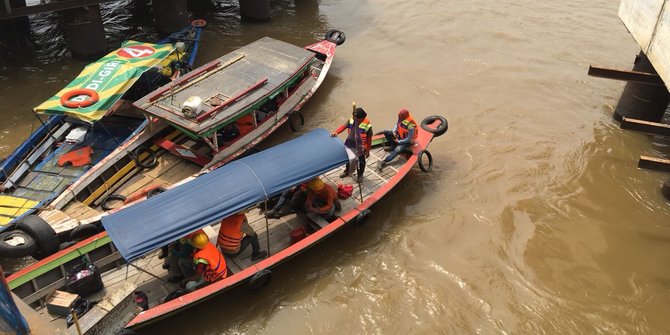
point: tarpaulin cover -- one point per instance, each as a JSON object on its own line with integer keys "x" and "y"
{"x": 110, "y": 77}
{"x": 166, "y": 217}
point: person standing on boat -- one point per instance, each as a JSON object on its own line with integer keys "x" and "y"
{"x": 358, "y": 142}
{"x": 235, "y": 235}
{"x": 400, "y": 138}
{"x": 209, "y": 263}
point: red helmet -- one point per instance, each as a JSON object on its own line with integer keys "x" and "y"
{"x": 403, "y": 114}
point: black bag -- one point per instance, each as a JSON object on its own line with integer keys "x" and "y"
{"x": 84, "y": 279}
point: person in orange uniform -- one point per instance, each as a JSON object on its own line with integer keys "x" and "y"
{"x": 209, "y": 263}
{"x": 235, "y": 235}
{"x": 321, "y": 199}
{"x": 358, "y": 142}
{"x": 401, "y": 137}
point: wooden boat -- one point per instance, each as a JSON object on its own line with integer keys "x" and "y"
{"x": 126, "y": 252}
{"x": 86, "y": 121}
{"x": 254, "y": 90}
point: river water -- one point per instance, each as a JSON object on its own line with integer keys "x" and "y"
{"x": 535, "y": 218}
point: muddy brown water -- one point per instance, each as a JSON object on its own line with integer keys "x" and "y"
{"x": 535, "y": 218}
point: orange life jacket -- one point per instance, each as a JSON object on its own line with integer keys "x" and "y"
{"x": 216, "y": 264}
{"x": 79, "y": 157}
{"x": 405, "y": 125}
{"x": 363, "y": 128}
{"x": 230, "y": 233}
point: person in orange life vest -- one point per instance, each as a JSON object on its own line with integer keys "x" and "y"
{"x": 358, "y": 142}
{"x": 235, "y": 235}
{"x": 179, "y": 261}
{"x": 209, "y": 263}
{"x": 321, "y": 199}
{"x": 401, "y": 137}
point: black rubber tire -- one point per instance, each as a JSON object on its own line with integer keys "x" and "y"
{"x": 361, "y": 218}
{"x": 45, "y": 236}
{"x": 84, "y": 231}
{"x": 296, "y": 121}
{"x": 26, "y": 248}
{"x": 430, "y": 161}
{"x": 155, "y": 191}
{"x": 112, "y": 197}
{"x": 259, "y": 280}
{"x": 151, "y": 163}
{"x": 665, "y": 189}
{"x": 440, "y": 130}
{"x": 336, "y": 36}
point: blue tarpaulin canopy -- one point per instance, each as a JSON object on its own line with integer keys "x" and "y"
{"x": 166, "y": 217}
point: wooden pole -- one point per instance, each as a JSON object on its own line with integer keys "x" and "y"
{"x": 76, "y": 320}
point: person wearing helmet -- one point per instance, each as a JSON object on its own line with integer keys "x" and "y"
{"x": 235, "y": 235}
{"x": 400, "y": 138}
{"x": 209, "y": 263}
{"x": 321, "y": 199}
{"x": 358, "y": 142}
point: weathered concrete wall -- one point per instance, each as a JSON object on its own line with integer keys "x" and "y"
{"x": 648, "y": 21}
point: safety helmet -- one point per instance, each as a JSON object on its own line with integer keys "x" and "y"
{"x": 403, "y": 113}
{"x": 315, "y": 184}
{"x": 200, "y": 240}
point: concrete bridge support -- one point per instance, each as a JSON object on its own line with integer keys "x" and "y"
{"x": 170, "y": 15}
{"x": 255, "y": 10}
{"x": 642, "y": 101}
{"x": 84, "y": 32}
{"x": 15, "y": 32}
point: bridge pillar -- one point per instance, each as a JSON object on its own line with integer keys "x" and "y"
{"x": 170, "y": 15}
{"x": 255, "y": 10}
{"x": 84, "y": 32}
{"x": 642, "y": 101}
{"x": 15, "y": 32}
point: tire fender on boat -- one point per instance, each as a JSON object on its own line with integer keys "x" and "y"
{"x": 296, "y": 121}
{"x": 441, "y": 128}
{"x": 153, "y": 160}
{"x": 84, "y": 231}
{"x": 112, "y": 197}
{"x": 361, "y": 218}
{"x": 199, "y": 23}
{"x": 66, "y": 102}
{"x": 45, "y": 236}
{"x": 259, "y": 280}
{"x": 336, "y": 36}
{"x": 16, "y": 243}
{"x": 155, "y": 191}
{"x": 430, "y": 161}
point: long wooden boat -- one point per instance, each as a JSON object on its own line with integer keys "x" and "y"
{"x": 248, "y": 93}
{"x": 85, "y": 122}
{"x": 127, "y": 253}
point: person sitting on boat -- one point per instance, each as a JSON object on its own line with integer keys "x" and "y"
{"x": 400, "y": 138}
{"x": 179, "y": 261}
{"x": 235, "y": 235}
{"x": 209, "y": 263}
{"x": 358, "y": 142}
{"x": 321, "y": 199}
{"x": 286, "y": 197}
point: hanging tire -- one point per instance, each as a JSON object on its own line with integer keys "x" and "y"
{"x": 151, "y": 163}
{"x": 105, "y": 204}
{"x": 336, "y": 36}
{"x": 84, "y": 231}
{"x": 440, "y": 130}
{"x": 296, "y": 120}
{"x": 45, "y": 236}
{"x": 16, "y": 243}
{"x": 155, "y": 191}
{"x": 430, "y": 161}
{"x": 259, "y": 280}
{"x": 361, "y": 218}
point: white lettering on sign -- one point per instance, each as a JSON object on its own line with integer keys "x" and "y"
{"x": 138, "y": 52}
{"x": 106, "y": 70}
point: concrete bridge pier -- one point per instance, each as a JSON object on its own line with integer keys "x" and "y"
{"x": 16, "y": 31}
{"x": 170, "y": 15}
{"x": 642, "y": 101}
{"x": 255, "y": 10}
{"x": 84, "y": 32}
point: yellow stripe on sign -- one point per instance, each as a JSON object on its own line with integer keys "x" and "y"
{"x": 11, "y": 207}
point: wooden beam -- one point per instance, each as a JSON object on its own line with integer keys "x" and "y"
{"x": 635, "y": 76}
{"x": 654, "y": 163}
{"x": 646, "y": 126}
{"x": 48, "y": 7}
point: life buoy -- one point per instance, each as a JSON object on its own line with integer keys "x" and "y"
{"x": 152, "y": 162}
{"x": 112, "y": 197}
{"x": 16, "y": 243}
{"x": 155, "y": 191}
{"x": 45, "y": 236}
{"x": 296, "y": 120}
{"x": 91, "y": 94}
{"x": 430, "y": 161}
{"x": 336, "y": 36}
{"x": 199, "y": 23}
{"x": 259, "y": 280}
{"x": 441, "y": 128}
